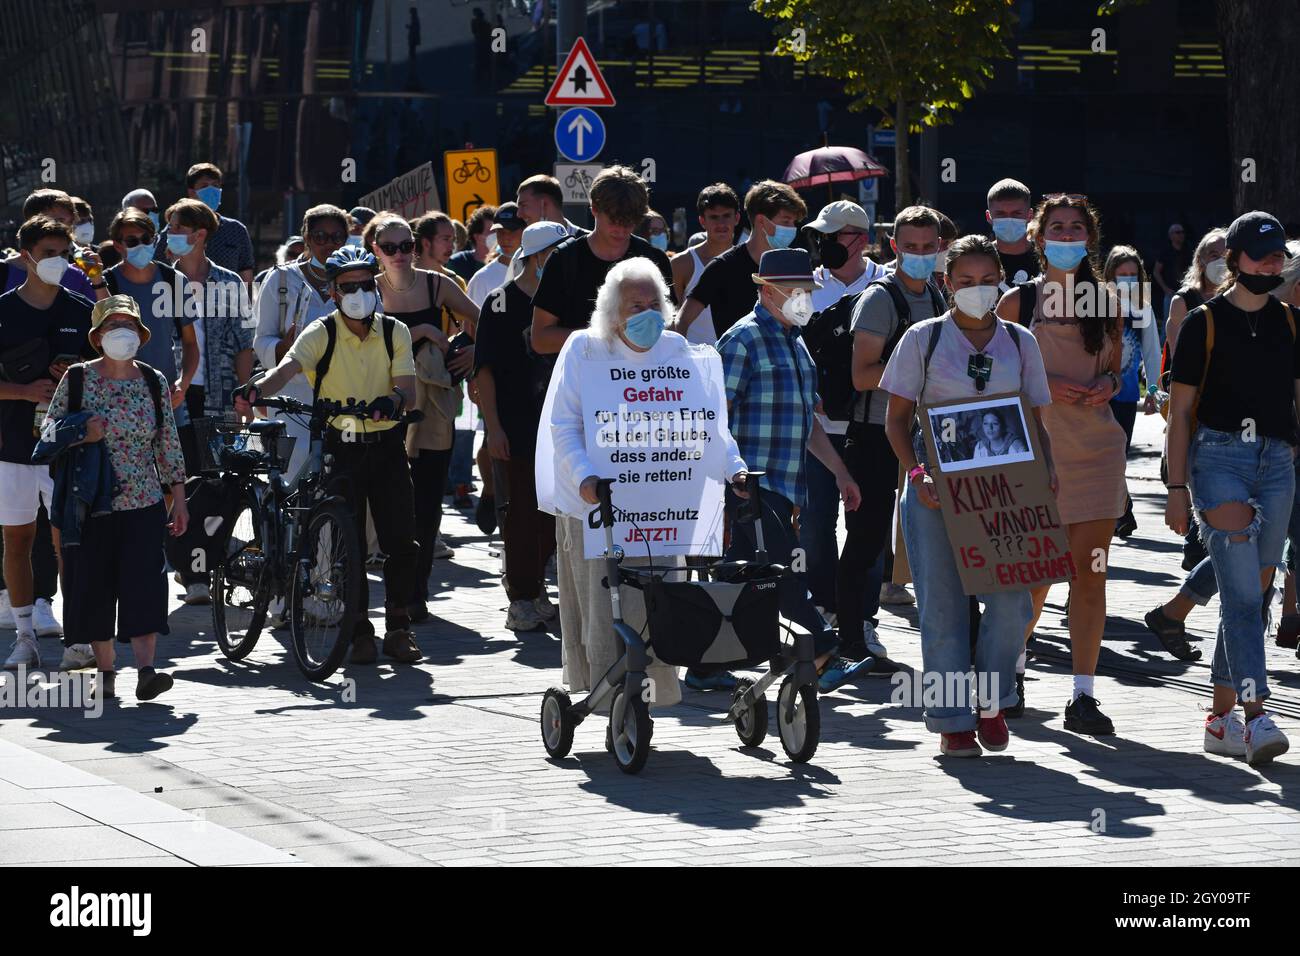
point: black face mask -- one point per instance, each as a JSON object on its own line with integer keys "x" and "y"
{"x": 1258, "y": 284}
{"x": 833, "y": 254}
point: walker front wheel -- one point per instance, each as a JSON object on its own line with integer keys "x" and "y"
{"x": 751, "y": 725}
{"x": 557, "y": 724}
{"x": 629, "y": 728}
{"x": 801, "y": 732}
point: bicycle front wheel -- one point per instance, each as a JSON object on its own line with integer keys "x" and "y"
{"x": 325, "y": 594}
{"x": 241, "y": 586}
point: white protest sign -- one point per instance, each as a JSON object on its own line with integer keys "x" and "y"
{"x": 656, "y": 429}
{"x": 410, "y": 194}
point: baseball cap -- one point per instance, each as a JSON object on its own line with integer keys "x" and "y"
{"x": 835, "y": 216}
{"x": 120, "y": 304}
{"x": 1257, "y": 234}
{"x": 538, "y": 237}
{"x": 507, "y": 217}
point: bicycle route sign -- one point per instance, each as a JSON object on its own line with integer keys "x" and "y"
{"x": 575, "y": 181}
{"x": 579, "y": 134}
{"x": 471, "y": 180}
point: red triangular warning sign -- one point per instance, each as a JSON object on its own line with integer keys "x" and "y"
{"x": 579, "y": 82}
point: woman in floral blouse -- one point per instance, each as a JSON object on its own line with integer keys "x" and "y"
{"x": 117, "y": 569}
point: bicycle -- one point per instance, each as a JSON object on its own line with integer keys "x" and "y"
{"x": 294, "y": 545}
{"x": 471, "y": 167}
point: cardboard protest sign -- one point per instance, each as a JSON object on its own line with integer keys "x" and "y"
{"x": 655, "y": 428}
{"x": 1003, "y": 525}
{"x": 410, "y": 194}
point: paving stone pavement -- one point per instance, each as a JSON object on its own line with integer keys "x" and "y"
{"x": 442, "y": 763}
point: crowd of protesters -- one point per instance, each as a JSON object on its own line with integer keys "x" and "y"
{"x": 832, "y": 334}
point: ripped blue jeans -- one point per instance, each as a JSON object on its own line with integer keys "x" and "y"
{"x": 1225, "y": 468}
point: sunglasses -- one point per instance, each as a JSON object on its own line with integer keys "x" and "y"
{"x": 405, "y": 247}
{"x": 1068, "y": 197}
{"x": 319, "y": 235}
{"x": 365, "y": 285}
{"x": 132, "y": 241}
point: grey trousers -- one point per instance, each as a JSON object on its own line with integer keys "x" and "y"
{"x": 589, "y": 646}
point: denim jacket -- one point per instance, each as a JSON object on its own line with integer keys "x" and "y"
{"x": 83, "y": 476}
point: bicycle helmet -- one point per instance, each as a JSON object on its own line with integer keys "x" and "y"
{"x": 348, "y": 258}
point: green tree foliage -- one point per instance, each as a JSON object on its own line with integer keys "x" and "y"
{"x": 917, "y": 61}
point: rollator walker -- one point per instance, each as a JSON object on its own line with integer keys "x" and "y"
{"x": 728, "y": 617}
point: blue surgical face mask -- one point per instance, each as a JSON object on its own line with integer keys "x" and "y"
{"x": 317, "y": 263}
{"x": 1009, "y": 230}
{"x": 354, "y": 241}
{"x": 178, "y": 244}
{"x": 157, "y": 223}
{"x": 782, "y": 236}
{"x": 1126, "y": 280}
{"x": 140, "y": 256}
{"x": 644, "y": 328}
{"x": 210, "y": 196}
{"x": 917, "y": 266}
{"x": 1065, "y": 255}
{"x": 660, "y": 241}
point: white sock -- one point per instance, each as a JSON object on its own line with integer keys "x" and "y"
{"x": 1020, "y": 662}
{"x": 23, "y": 619}
{"x": 1082, "y": 685}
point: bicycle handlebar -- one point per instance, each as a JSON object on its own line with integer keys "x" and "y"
{"x": 328, "y": 409}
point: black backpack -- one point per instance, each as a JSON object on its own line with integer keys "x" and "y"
{"x": 904, "y": 311}
{"x": 331, "y": 336}
{"x": 829, "y": 337}
{"x": 213, "y": 504}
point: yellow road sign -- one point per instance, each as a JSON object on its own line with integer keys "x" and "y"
{"x": 471, "y": 181}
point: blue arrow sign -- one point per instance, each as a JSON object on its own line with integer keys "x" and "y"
{"x": 579, "y": 134}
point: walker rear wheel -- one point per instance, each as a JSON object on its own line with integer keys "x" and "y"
{"x": 629, "y": 728}
{"x": 557, "y": 724}
{"x": 801, "y": 734}
{"x": 751, "y": 725}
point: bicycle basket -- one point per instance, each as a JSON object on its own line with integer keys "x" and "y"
{"x": 235, "y": 447}
{"x": 713, "y": 622}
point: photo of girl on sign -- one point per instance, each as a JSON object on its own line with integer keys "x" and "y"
{"x": 980, "y": 434}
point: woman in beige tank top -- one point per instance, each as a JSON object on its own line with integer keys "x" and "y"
{"x": 1075, "y": 323}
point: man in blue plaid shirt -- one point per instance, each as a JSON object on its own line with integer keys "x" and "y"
{"x": 771, "y": 396}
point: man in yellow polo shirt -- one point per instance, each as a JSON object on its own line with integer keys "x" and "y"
{"x": 348, "y": 355}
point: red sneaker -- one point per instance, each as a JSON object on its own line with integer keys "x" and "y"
{"x": 963, "y": 744}
{"x": 993, "y": 732}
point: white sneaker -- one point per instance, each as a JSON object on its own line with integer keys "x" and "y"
{"x": 76, "y": 656}
{"x": 6, "y": 612}
{"x": 197, "y": 593}
{"x": 44, "y": 621}
{"x": 547, "y": 611}
{"x": 1264, "y": 741}
{"x": 872, "y": 640}
{"x": 1225, "y": 735}
{"x": 441, "y": 549}
{"x": 523, "y": 616}
{"x": 891, "y": 593}
{"x": 24, "y": 654}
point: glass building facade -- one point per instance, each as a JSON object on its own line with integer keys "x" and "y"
{"x": 290, "y": 97}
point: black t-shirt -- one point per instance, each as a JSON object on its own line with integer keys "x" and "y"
{"x": 1250, "y": 377}
{"x": 1013, "y": 265}
{"x": 1174, "y": 263}
{"x": 464, "y": 264}
{"x": 573, "y": 275}
{"x": 503, "y": 346}
{"x": 65, "y": 326}
{"x": 727, "y": 287}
